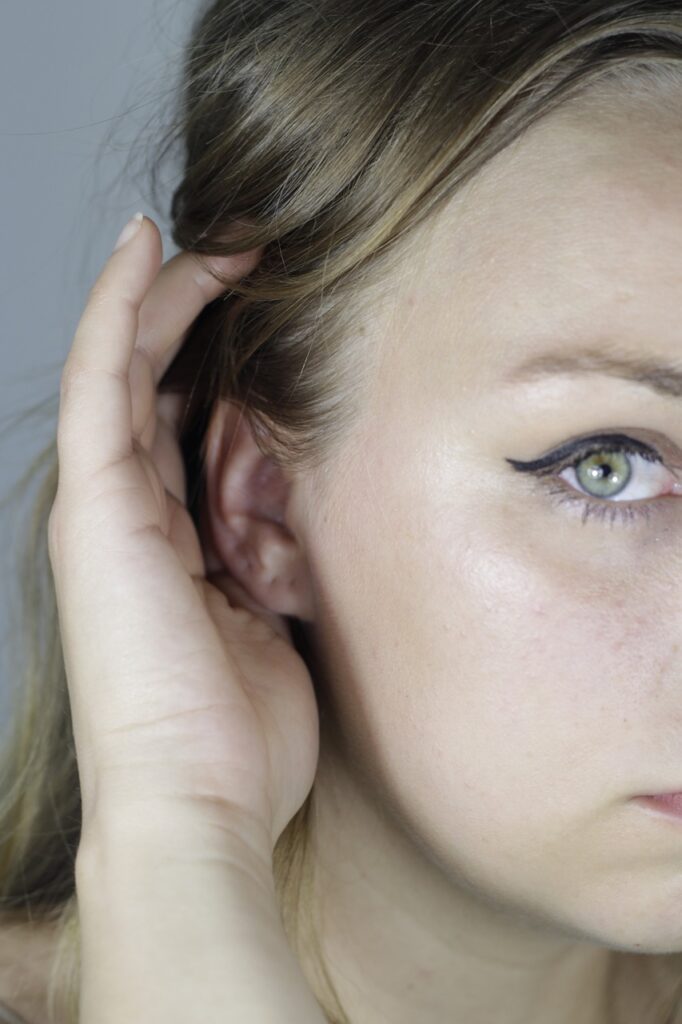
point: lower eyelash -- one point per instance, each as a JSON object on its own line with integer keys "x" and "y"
{"x": 613, "y": 510}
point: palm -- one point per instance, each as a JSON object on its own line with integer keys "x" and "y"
{"x": 257, "y": 730}
{"x": 193, "y": 692}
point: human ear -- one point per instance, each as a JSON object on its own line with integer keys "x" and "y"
{"x": 244, "y": 518}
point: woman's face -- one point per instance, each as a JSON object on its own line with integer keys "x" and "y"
{"x": 506, "y": 674}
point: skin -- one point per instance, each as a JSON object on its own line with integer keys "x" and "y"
{"x": 502, "y": 679}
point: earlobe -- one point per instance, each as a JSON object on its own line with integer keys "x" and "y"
{"x": 243, "y": 518}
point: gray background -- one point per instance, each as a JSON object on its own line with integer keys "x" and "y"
{"x": 78, "y": 83}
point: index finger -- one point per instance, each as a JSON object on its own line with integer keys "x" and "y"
{"x": 180, "y": 291}
{"x": 95, "y": 420}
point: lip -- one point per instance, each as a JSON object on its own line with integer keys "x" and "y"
{"x": 669, "y": 804}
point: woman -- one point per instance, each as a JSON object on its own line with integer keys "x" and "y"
{"x": 380, "y": 630}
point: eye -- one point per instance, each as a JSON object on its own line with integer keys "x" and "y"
{"x": 603, "y": 474}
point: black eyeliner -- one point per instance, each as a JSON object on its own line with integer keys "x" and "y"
{"x": 598, "y": 442}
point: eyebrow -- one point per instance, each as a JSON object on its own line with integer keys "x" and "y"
{"x": 663, "y": 378}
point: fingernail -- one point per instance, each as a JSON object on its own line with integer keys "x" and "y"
{"x": 129, "y": 231}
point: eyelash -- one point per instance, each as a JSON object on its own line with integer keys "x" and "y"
{"x": 621, "y": 510}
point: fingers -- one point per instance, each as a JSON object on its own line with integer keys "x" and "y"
{"x": 95, "y": 429}
{"x": 239, "y": 597}
{"x": 179, "y": 293}
{"x": 135, "y": 302}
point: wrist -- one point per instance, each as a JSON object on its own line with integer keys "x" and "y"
{"x": 177, "y": 929}
{"x": 174, "y": 833}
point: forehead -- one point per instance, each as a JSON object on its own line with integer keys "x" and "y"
{"x": 573, "y": 231}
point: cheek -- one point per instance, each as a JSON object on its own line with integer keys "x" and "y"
{"x": 492, "y": 688}
{"x": 501, "y": 685}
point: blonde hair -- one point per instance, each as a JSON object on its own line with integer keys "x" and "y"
{"x": 328, "y": 132}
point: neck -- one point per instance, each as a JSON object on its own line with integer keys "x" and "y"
{"x": 403, "y": 941}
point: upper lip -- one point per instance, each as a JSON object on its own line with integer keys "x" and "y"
{"x": 664, "y": 792}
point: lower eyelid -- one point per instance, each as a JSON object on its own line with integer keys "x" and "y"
{"x": 595, "y": 508}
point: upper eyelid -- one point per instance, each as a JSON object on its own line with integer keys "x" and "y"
{"x": 565, "y": 452}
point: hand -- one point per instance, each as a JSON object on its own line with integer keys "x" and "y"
{"x": 184, "y": 692}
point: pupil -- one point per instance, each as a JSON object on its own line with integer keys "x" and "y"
{"x": 598, "y": 469}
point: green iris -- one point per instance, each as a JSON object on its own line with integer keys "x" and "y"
{"x": 604, "y": 473}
